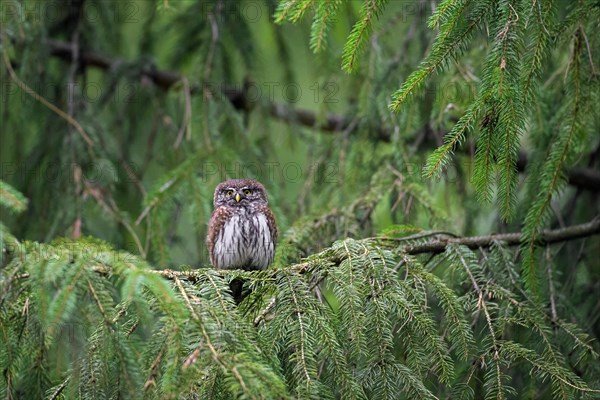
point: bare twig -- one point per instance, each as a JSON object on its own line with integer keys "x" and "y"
{"x": 511, "y": 239}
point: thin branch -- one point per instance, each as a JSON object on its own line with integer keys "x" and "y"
{"x": 511, "y": 239}
{"x": 263, "y": 314}
{"x": 551, "y": 286}
{"x": 436, "y": 245}
{"x": 23, "y": 86}
{"x": 59, "y": 389}
{"x": 586, "y": 178}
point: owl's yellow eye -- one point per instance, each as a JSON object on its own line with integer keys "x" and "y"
{"x": 247, "y": 191}
{"x": 229, "y": 193}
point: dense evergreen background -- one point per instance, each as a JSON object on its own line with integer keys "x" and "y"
{"x": 433, "y": 167}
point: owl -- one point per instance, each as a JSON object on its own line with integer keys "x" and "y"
{"x": 242, "y": 231}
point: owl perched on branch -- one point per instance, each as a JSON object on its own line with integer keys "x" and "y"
{"x": 242, "y": 231}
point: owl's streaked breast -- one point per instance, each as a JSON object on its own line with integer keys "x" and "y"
{"x": 244, "y": 242}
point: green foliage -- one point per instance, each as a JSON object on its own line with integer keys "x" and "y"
{"x": 450, "y": 42}
{"x": 509, "y": 84}
{"x": 324, "y": 13}
{"x": 351, "y": 321}
{"x": 571, "y": 137}
{"x": 437, "y": 161}
{"x": 12, "y": 198}
{"x": 446, "y": 120}
{"x": 360, "y": 32}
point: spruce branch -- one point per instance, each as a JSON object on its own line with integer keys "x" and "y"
{"x": 216, "y": 356}
{"x": 437, "y": 244}
{"x": 585, "y": 178}
{"x": 56, "y": 391}
{"x": 321, "y": 338}
{"x": 468, "y": 262}
{"x": 511, "y": 239}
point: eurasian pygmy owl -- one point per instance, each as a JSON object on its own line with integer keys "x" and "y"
{"x": 241, "y": 231}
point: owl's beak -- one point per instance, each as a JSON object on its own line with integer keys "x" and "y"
{"x": 237, "y": 197}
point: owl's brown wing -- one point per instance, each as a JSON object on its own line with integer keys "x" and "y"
{"x": 217, "y": 220}
{"x": 271, "y": 222}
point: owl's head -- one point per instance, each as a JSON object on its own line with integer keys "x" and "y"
{"x": 240, "y": 193}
